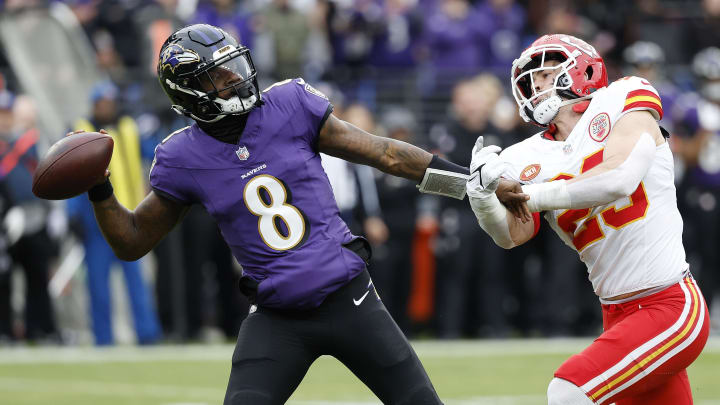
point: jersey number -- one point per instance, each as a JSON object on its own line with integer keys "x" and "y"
{"x": 590, "y": 231}
{"x": 277, "y": 209}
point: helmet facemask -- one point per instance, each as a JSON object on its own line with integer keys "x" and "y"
{"x": 226, "y": 85}
{"x": 542, "y": 106}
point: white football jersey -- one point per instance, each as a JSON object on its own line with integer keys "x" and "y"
{"x": 634, "y": 242}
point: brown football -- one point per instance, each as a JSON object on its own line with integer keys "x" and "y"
{"x": 73, "y": 165}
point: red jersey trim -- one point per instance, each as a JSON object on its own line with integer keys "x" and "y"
{"x": 536, "y": 223}
{"x": 643, "y": 99}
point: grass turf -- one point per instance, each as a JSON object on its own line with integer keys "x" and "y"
{"x": 512, "y": 372}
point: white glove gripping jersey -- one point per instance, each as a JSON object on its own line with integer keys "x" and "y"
{"x": 634, "y": 242}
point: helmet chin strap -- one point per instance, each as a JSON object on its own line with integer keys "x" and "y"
{"x": 548, "y": 109}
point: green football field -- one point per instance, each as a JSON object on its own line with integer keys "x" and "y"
{"x": 464, "y": 372}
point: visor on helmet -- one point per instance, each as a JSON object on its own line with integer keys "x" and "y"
{"x": 225, "y": 85}
{"x": 227, "y": 76}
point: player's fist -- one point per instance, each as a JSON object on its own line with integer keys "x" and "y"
{"x": 73, "y": 165}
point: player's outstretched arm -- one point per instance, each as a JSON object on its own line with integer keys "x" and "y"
{"x": 346, "y": 141}
{"x": 628, "y": 154}
{"x": 132, "y": 234}
{"x": 486, "y": 189}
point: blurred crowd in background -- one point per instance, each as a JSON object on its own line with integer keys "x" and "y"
{"x": 431, "y": 72}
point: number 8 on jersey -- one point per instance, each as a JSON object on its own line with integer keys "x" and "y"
{"x": 277, "y": 208}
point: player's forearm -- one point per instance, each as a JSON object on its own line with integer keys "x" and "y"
{"x": 388, "y": 155}
{"x": 403, "y": 159}
{"x": 346, "y": 141}
{"x": 119, "y": 227}
{"x": 605, "y": 183}
{"x": 395, "y": 157}
{"x": 499, "y": 223}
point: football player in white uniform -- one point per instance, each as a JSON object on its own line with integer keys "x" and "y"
{"x": 602, "y": 175}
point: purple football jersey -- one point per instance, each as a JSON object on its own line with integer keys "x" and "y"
{"x": 269, "y": 195}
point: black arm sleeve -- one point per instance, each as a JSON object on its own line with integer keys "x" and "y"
{"x": 441, "y": 164}
{"x": 329, "y": 111}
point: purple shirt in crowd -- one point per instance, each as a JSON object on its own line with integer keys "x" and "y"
{"x": 269, "y": 195}
{"x": 455, "y": 43}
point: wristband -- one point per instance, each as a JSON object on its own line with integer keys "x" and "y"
{"x": 441, "y": 164}
{"x": 101, "y": 192}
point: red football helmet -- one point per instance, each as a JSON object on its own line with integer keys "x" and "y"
{"x": 581, "y": 72}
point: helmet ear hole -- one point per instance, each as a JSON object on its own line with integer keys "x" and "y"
{"x": 589, "y": 72}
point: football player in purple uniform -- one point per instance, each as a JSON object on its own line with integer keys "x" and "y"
{"x": 252, "y": 160}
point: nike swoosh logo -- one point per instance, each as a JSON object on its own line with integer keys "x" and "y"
{"x": 358, "y": 302}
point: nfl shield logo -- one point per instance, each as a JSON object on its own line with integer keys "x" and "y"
{"x": 242, "y": 153}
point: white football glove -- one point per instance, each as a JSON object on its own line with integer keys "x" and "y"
{"x": 486, "y": 168}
